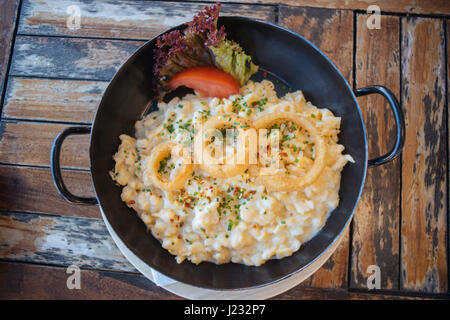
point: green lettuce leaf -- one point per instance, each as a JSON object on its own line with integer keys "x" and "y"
{"x": 201, "y": 43}
{"x": 229, "y": 56}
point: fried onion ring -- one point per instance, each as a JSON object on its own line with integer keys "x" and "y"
{"x": 154, "y": 162}
{"x": 284, "y": 182}
{"x": 229, "y": 167}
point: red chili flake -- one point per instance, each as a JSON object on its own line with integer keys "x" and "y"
{"x": 179, "y": 236}
{"x": 283, "y": 154}
{"x": 131, "y": 202}
{"x": 171, "y": 220}
{"x": 264, "y": 74}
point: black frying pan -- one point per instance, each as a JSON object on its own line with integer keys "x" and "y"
{"x": 292, "y": 62}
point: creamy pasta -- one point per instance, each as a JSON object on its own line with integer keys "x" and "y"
{"x": 236, "y": 218}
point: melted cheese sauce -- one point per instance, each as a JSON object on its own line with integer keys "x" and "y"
{"x": 232, "y": 219}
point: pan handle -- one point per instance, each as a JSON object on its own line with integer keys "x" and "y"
{"x": 56, "y": 168}
{"x": 399, "y": 123}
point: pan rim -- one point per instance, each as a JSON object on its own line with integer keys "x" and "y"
{"x": 341, "y": 77}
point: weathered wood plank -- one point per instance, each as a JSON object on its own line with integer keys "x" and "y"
{"x": 400, "y": 6}
{"x": 63, "y": 241}
{"x": 52, "y": 100}
{"x": 32, "y": 190}
{"x": 448, "y": 146}
{"x": 424, "y": 171}
{"x": 25, "y": 281}
{"x": 8, "y": 15}
{"x": 121, "y": 19}
{"x": 33, "y": 282}
{"x": 59, "y": 241}
{"x": 309, "y": 293}
{"x": 90, "y": 59}
{"x": 333, "y": 274}
{"x": 332, "y": 32}
{"x": 28, "y": 143}
{"x": 375, "y": 238}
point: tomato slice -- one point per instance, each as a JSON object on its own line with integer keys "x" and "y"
{"x": 207, "y": 81}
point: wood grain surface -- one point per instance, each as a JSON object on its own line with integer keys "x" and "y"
{"x": 401, "y": 6}
{"x": 52, "y": 100}
{"x": 119, "y": 19}
{"x": 24, "y": 281}
{"x": 29, "y": 143}
{"x": 57, "y": 77}
{"x": 32, "y": 190}
{"x": 8, "y": 16}
{"x": 70, "y": 58}
{"x": 60, "y": 241}
{"x": 331, "y": 31}
{"x": 447, "y": 44}
{"x": 424, "y": 170}
{"x": 375, "y": 238}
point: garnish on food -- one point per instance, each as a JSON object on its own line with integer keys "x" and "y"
{"x": 207, "y": 81}
{"x": 201, "y": 44}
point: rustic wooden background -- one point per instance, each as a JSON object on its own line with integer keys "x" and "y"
{"x": 52, "y": 77}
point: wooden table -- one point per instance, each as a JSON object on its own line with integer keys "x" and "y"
{"x": 53, "y": 77}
